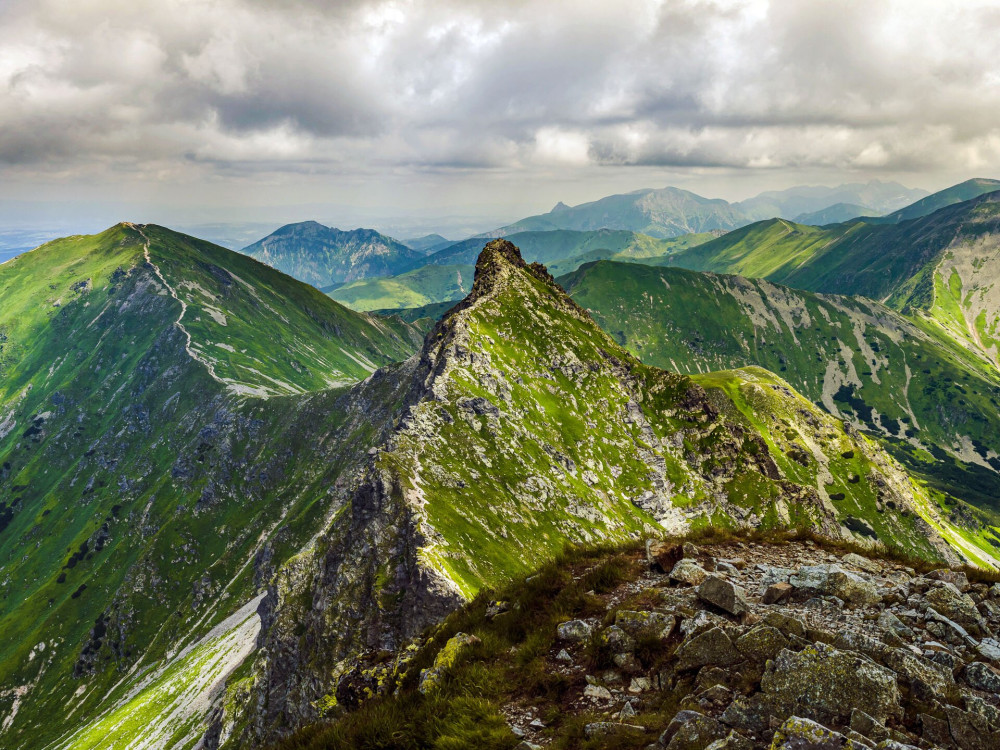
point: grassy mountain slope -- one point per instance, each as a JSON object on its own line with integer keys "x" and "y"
{"x": 949, "y": 196}
{"x": 939, "y": 269}
{"x": 144, "y": 495}
{"x": 864, "y": 362}
{"x": 325, "y": 256}
{"x": 422, "y": 286}
{"x": 530, "y": 427}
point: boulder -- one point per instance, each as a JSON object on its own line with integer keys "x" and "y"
{"x": 662, "y": 555}
{"x": 827, "y": 684}
{"x": 989, "y": 649}
{"x": 597, "y": 692}
{"x": 574, "y": 630}
{"x": 617, "y": 640}
{"x": 762, "y": 642}
{"x": 637, "y": 622}
{"x": 688, "y": 571}
{"x": 956, "y": 578}
{"x": 732, "y": 741}
{"x": 888, "y": 622}
{"x": 711, "y": 647}
{"x": 722, "y": 594}
{"x": 786, "y": 623}
{"x": 835, "y": 581}
{"x": 947, "y": 600}
{"x": 776, "y": 592}
{"x": 861, "y": 563}
{"x": 799, "y": 733}
{"x": 983, "y": 677}
{"x": 690, "y": 730}
{"x": 935, "y": 678}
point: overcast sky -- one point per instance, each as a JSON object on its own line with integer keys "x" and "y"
{"x": 198, "y": 110}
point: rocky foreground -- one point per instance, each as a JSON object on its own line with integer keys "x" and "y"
{"x": 731, "y": 646}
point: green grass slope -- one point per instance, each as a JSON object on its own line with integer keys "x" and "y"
{"x": 422, "y": 286}
{"x": 932, "y": 399}
{"x": 145, "y": 492}
{"x": 955, "y": 194}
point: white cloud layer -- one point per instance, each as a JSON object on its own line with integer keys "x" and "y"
{"x": 182, "y": 90}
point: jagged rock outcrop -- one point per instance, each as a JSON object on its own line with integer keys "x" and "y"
{"x": 526, "y": 427}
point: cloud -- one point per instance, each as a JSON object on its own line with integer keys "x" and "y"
{"x": 178, "y": 87}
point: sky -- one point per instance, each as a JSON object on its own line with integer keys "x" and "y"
{"x": 466, "y": 115}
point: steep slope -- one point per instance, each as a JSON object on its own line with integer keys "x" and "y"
{"x": 145, "y": 492}
{"x": 325, "y": 256}
{"x": 861, "y": 360}
{"x": 835, "y": 214}
{"x": 528, "y": 427}
{"x": 422, "y": 286}
{"x": 963, "y": 191}
{"x": 939, "y": 268}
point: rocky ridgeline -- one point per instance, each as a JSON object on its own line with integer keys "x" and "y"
{"x": 789, "y": 647}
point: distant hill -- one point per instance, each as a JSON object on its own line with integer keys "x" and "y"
{"x": 422, "y": 286}
{"x": 324, "y": 256}
{"x": 956, "y": 194}
{"x": 835, "y": 214}
{"x": 428, "y": 243}
{"x": 671, "y": 211}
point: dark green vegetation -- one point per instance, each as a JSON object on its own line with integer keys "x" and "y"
{"x": 326, "y": 257}
{"x": 144, "y": 494}
{"x": 933, "y": 401}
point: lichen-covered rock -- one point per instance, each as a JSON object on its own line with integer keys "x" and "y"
{"x": 722, "y": 594}
{"x": 956, "y": 578}
{"x": 953, "y": 604}
{"x": 430, "y": 679}
{"x": 688, "y": 571}
{"x": 798, "y": 733}
{"x": 574, "y": 630}
{"x": 892, "y": 624}
{"x": 607, "y": 728}
{"x": 711, "y": 647}
{"x": 761, "y": 643}
{"x": 690, "y": 730}
{"x": 637, "y": 622}
{"x": 732, "y": 741}
{"x": 913, "y": 668}
{"x": 862, "y": 563}
{"x": 983, "y": 677}
{"x": 835, "y": 581}
{"x": 824, "y": 683}
{"x": 617, "y": 639}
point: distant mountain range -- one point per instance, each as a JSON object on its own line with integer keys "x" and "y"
{"x": 671, "y": 211}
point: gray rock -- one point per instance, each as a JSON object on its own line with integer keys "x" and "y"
{"x": 597, "y": 692}
{"x": 776, "y": 592}
{"x": 983, "y": 677}
{"x": 617, "y": 639}
{"x": 835, "y": 581}
{"x": 862, "y": 563}
{"x": 607, "y": 728}
{"x": 690, "y": 730}
{"x": 563, "y": 655}
{"x": 732, "y": 741}
{"x": 956, "y": 578}
{"x": 722, "y": 594}
{"x": 893, "y": 745}
{"x": 761, "y": 643}
{"x": 637, "y": 622}
{"x": 989, "y": 649}
{"x": 829, "y": 684}
{"x": 574, "y": 630}
{"x": 688, "y": 571}
{"x": 799, "y": 733}
{"x": 947, "y": 600}
{"x": 711, "y": 647}
{"x": 892, "y": 624}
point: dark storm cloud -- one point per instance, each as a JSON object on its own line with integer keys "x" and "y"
{"x": 291, "y": 85}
